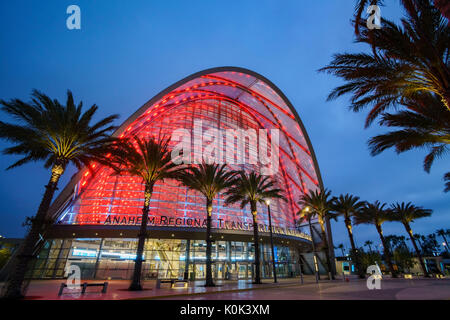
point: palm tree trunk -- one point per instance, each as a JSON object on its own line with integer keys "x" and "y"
{"x": 387, "y": 254}
{"x": 14, "y": 284}
{"x": 316, "y": 262}
{"x": 445, "y": 241}
{"x": 327, "y": 253}
{"x": 142, "y": 236}
{"x": 419, "y": 256}
{"x": 256, "y": 242}
{"x": 420, "y": 245}
{"x": 209, "y": 278}
{"x": 348, "y": 224}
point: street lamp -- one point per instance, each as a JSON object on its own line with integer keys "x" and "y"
{"x": 267, "y": 201}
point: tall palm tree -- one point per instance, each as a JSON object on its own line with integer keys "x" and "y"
{"x": 368, "y": 244}
{"x": 375, "y": 214}
{"x": 321, "y": 206}
{"x": 347, "y": 205}
{"x": 443, "y": 233}
{"x": 407, "y": 213}
{"x": 251, "y": 188}
{"x": 209, "y": 180}
{"x": 46, "y": 130}
{"x": 150, "y": 159}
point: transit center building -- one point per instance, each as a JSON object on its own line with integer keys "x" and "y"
{"x": 97, "y": 217}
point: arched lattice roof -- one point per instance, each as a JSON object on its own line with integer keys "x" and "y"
{"x": 225, "y": 97}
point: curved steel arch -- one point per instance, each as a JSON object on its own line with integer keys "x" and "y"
{"x": 198, "y": 74}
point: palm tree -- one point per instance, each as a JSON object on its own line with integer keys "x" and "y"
{"x": 407, "y": 213}
{"x": 209, "y": 180}
{"x": 368, "y": 244}
{"x": 347, "y": 205}
{"x": 410, "y": 58}
{"x": 406, "y": 59}
{"x": 45, "y": 130}
{"x": 250, "y": 189}
{"x": 321, "y": 206}
{"x": 374, "y": 213}
{"x": 443, "y": 233}
{"x": 151, "y": 160}
{"x": 408, "y": 67}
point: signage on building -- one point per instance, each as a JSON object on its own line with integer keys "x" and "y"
{"x": 201, "y": 223}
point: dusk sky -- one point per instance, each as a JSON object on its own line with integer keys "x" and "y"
{"x": 128, "y": 51}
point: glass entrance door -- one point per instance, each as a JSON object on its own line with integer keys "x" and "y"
{"x": 200, "y": 271}
{"x": 219, "y": 271}
{"x": 243, "y": 271}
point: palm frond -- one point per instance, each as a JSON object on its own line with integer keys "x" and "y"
{"x": 49, "y": 131}
{"x": 252, "y": 188}
{"x": 407, "y": 212}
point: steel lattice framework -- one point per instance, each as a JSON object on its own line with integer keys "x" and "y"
{"x": 221, "y": 98}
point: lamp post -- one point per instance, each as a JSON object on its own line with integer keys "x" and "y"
{"x": 271, "y": 241}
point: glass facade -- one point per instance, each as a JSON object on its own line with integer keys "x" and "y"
{"x": 164, "y": 258}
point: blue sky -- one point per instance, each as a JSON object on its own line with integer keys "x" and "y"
{"x": 127, "y": 51}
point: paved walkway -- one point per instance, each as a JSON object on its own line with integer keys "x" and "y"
{"x": 286, "y": 289}
{"x": 117, "y": 289}
{"x": 391, "y": 289}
